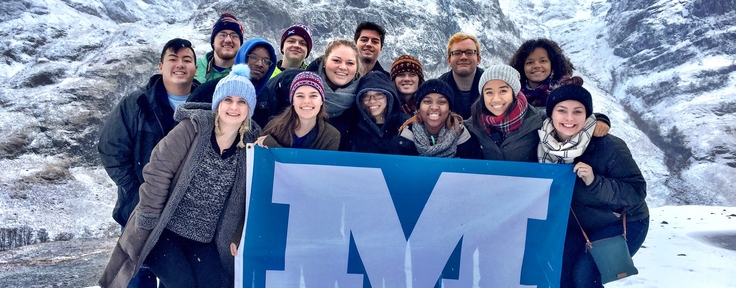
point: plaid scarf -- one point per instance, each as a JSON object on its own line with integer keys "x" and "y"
{"x": 538, "y": 96}
{"x": 509, "y": 120}
{"x": 550, "y": 150}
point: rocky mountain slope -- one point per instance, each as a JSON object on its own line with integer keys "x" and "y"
{"x": 65, "y": 63}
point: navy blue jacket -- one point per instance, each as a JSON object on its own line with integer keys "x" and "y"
{"x": 128, "y": 136}
{"x": 618, "y": 186}
{"x": 366, "y": 135}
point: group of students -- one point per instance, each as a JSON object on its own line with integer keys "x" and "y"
{"x": 183, "y": 179}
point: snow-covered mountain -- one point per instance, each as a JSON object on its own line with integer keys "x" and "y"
{"x": 65, "y": 63}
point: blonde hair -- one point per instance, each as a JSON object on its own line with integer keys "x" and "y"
{"x": 344, "y": 42}
{"x": 244, "y": 127}
{"x": 459, "y": 36}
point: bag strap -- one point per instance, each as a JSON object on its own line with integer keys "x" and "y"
{"x": 587, "y": 240}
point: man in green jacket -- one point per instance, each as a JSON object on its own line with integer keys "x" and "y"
{"x": 296, "y": 43}
{"x": 226, "y": 38}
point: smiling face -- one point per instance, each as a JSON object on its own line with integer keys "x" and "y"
{"x": 232, "y": 111}
{"x": 307, "y": 102}
{"x": 463, "y": 64}
{"x": 258, "y": 69}
{"x": 295, "y": 48}
{"x": 568, "y": 118}
{"x": 178, "y": 68}
{"x": 497, "y": 96}
{"x": 341, "y": 65}
{"x": 537, "y": 67}
{"x": 369, "y": 45}
{"x": 407, "y": 82}
{"x": 434, "y": 110}
{"x": 226, "y": 44}
{"x": 375, "y": 104}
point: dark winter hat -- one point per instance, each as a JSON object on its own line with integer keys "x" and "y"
{"x": 435, "y": 86}
{"x": 226, "y": 21}
{"x": 309, "y": 79}
{"x": 301, "y": 30}
{"x": 570, "y": 92}
{"x": 406, "y": 63}
{"x": 237, "y": 83}
{"x": 504, "y": 73}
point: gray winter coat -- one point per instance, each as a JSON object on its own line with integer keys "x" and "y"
{"x": 167, "y": 177}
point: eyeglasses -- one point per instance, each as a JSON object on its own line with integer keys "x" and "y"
{"x": 265, "y": 61}
{"x": 223, "y": 35}
{"x": 459, "y": 53}
{"x": 378, "y": 96}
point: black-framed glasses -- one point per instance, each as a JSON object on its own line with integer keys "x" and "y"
{"x": 377, "y": 96}
{"x": 265, "y": 61}
{"x": 223, "y": 35}
{"x": 458, "y": 53}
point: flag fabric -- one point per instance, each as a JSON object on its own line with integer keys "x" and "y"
{"x": 342, "y": 219}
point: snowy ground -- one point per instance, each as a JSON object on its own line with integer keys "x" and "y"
{"x": 695, "y": 248}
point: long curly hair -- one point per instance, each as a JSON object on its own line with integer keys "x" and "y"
{"x": 561, "y": 65}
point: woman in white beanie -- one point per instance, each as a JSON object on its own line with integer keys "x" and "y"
{"x": 193, "y": 195}
{"x": 501, "y": 119}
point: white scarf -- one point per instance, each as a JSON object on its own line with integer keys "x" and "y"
{"x": 550, "y": 150}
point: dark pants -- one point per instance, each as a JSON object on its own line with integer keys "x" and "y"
{"x": 144, "y": 278}
{"x": 578, "y": 268}
{"x": 182, "y": 262}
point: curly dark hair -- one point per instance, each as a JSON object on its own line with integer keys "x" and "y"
{"x": 561, "y": 65}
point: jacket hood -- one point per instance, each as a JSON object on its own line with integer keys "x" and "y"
{"x": 242, "y": 58}
{"x": 196, "y": 111}
{"x": 379, "y": 82}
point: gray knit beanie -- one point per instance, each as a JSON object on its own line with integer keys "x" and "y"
{"x": 504, "y": 73}
{"x": 237, "y": 83}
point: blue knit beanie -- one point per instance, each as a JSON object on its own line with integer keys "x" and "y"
{"x": 237, "y": 83}
{"x": 435, "y": 86}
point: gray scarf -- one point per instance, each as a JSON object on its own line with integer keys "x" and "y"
{"x": 339, "y": 100}
{"x": 445, "y": 146}
{"x": 553, "y": 151}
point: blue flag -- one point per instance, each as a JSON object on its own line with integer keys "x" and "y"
{"x": 341, "y": 219}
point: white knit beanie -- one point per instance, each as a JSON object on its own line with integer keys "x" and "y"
{"x": 237, "y": 83}
{"x": 504, "y": 73}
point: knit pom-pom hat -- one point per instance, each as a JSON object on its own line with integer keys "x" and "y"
{"x": 309, "y": 79}
{"x": 237, "y": 83}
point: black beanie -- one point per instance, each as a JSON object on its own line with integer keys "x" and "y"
{"x": 226, "y": 21}
{"x": 570, "y": 92}
{"x": 435, "y": 86}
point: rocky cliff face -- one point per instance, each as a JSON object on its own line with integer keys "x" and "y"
{"x": 667, "y": 69}
{"x": 678, "y": 79}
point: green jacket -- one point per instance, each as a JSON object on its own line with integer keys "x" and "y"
{"x": 206, "y": 71}
{"x": 277, "y": 70}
